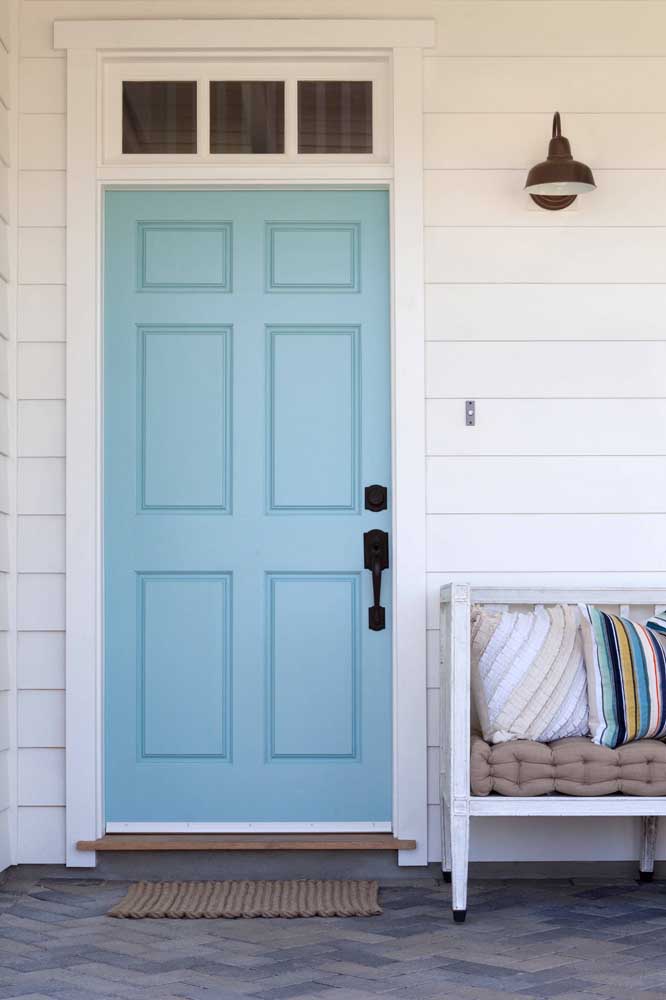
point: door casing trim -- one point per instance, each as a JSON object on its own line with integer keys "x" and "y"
{"x": 88, "y": 43}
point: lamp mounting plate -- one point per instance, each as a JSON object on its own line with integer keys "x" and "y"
{"x": 553, "y": 202}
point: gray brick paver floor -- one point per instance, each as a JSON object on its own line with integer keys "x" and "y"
{"x": 523, "y": 940}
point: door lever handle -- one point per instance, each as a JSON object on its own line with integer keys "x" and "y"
{"x": 376, "y": 559}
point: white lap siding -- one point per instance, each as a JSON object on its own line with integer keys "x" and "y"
{"x": 553, "y": 322}
{"x": 40, "y": 529}
{"x": 7, "y": 468}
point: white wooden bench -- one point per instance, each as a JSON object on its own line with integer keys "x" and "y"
{"x": 458, "y": 804}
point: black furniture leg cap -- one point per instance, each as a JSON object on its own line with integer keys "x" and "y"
{"x": 447, "y": 877}
{"x": 645, "y": 876}
{"x": 459, "y": 916}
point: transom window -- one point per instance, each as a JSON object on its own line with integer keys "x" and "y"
{"x": 287, "y": 111}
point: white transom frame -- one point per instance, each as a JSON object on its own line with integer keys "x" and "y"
{"x": 90, "y": 45}
{"x": 226, "y": 66}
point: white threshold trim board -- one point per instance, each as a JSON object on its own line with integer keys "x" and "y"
{"x": 248, "y": 827}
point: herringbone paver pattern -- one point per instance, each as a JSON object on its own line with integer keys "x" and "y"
{"x": 523, "y": 940}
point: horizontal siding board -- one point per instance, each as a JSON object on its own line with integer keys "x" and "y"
{"x": 41, "y": 486}
{"x": 435, "y": 834}
{"x": 523, "y": 312}
{"x": 432, "y": 716}
{"x": 458, "y": 141}
{"x": 5, "y": 39}
{"x": 4, "y": 719}
{"x": 41, "y": 835}
{"x": 432, "y": 658}
{"x": 40, "y": 601}
{"x": 573, "y": 838}
{"x": 41, "y": 371}
{"x": 42, "y": 142}
{"x": 40, "y": 660}
{"x": 534, "y": 84}
{"x": 528, "y": 28}
{"x": 41, "y": 428}
{"x": 5, "y": 795}
{"x": 4, "y": 136}
{"x": 4, "y": 484}
{"x": 5, "y": 678}
{"x": 5, "y": 95}
{"x": 41, "y": 777}
{"x": 4, "y": 566}
{"x": 571, "y": 485}
{"x": 41, "y": 256}
{"x": 42, "y": 198}
{"x": 41, "y": 544}
{"x": 4, "y": 311}
{"x": 545, "y": 254}
{"x": 556, "y": 542}
{"x": 433, "y": 775}
{"x": 544, "y": 369}
{"x": 4, "y": 589}
{"x": 4, "y": 251}
{"x": 41, "y": 313}
{"x": 4, "y": 426}
{"x": 41, "y": 719}
{"x": 42, "y": 86}
{"x": 548, "y": 427}
{"x": 4, "y": 368}
{"x": 5, "y": 211}
{"x": 497, "y": 198}
{"x": 6, "y": 839}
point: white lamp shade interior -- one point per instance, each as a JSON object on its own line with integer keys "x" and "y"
{"x": 560, "y": 188}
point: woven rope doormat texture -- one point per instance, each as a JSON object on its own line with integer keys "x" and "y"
{"x": 292, "y": 898}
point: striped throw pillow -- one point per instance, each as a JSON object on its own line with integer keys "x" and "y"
{"x": 528, "y": 674}
{"x": 626, "y": 676}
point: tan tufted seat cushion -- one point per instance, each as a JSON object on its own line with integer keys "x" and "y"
{"x": 573, "y": 766}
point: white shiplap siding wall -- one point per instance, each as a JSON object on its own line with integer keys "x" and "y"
{"x": 553, "y": 323}
{"x": 7, "y": 301}
{"x": 41, "y": 462}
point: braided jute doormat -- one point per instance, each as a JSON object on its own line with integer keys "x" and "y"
{"x": 289, "y": 898}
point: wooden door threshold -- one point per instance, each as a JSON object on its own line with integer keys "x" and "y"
{"x": 247, "y": 842}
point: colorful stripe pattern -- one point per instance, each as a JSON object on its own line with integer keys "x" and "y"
{"x": 626, "y": 676}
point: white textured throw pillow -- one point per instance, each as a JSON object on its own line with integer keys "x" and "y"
{"x": 528, "y": 674}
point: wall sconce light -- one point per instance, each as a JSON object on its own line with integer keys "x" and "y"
{"x": 557, "y": 181}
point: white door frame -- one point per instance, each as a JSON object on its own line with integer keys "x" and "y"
{"x": 87, "y": 42}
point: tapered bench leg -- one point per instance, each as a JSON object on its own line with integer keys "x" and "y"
{"x": 459, "y": 866}
{"x": 648, "y": 847}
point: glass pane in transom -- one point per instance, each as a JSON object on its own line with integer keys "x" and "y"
{"x": 159, "y": 116}
{"x": 247, "y": 116}
{"x": 334, "y": 116}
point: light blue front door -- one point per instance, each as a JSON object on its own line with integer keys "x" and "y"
{"x": 246, "y": 408}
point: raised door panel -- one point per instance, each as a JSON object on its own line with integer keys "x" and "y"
{"x": 185, "y": 416}
{"x": 185, "y": 665}
{"x": 184, "y": 256}
{"x": 313, "y": 659}
{"x": 312, "y": 257}
{"x": 313, "y": 419}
